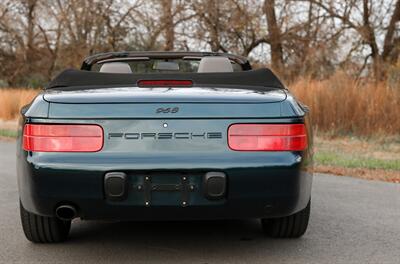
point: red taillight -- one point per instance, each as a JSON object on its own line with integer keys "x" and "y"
{"x": 62, "y": 138}
{"x": 267, "y": 137}
{"x": 164, "y": 83}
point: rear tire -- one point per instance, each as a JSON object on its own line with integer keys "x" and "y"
{"x": 292, "y": 226}
{"x": 43, "y": 229}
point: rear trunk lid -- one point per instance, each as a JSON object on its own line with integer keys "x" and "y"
{"x": 149, "y": 103}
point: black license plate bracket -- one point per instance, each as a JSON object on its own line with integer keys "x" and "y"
{"x": 149, "y": 187}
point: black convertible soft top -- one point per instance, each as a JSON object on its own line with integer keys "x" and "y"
{"x": 71, "y": 79}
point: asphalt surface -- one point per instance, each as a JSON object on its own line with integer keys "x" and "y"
{"x": 352, "y": 221}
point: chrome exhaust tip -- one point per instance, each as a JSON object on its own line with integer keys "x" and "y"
{"x": 66, "y": 212}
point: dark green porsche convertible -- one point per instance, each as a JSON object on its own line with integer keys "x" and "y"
{"x": 164, "y": 136}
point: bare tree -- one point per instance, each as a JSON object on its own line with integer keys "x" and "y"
{"x": 275, "y": 39}
{"x": 29, "y": 9}
{"x": 19, "y": 54}
{"x": 38, "y": 38}
{"x": 391, "y": 46}
{"x": 168, "y": 20}
{"x": 368, "y": 26}
{"x": 232, "y": 26}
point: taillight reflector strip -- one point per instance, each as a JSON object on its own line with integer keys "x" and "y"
{"x": 267, "y": 137}
{"x": 164, "y": 83}
{"x": 62, "y": 138}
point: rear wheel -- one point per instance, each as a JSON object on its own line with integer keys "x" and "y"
{"x": 43, "y": 229}
{"x": 291, "y": 226}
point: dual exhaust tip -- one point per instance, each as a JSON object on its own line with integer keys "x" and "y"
{"x": 66, "y": 212}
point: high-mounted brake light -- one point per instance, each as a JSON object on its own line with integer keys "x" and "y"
{"x": 267, "y": 137}
{"x": 164, "y": 83}
{"x": 62, "y": 138}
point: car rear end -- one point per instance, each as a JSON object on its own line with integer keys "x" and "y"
{"x": 165, "y": 153}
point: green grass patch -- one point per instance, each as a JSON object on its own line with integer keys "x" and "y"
{"x": 348, "y": 161}
{"x": 8, "y": 133}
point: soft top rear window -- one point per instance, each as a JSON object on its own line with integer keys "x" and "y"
{"x": 261, "y": 79}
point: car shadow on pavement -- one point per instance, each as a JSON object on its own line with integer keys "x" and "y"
{"x": 233, "y": 241}
{"x": 164, "y": 231}
{"x": 172, "y": 239}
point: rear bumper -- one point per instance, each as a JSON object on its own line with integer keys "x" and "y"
{"x": 259, "y": 185}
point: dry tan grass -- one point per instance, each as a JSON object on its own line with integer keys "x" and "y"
{"x": 12, "y": 99}
{"x": 341, "y": 105}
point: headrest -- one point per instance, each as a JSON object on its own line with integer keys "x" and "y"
{"x": 215, "y": 64}
{"x": 116, "y": 67}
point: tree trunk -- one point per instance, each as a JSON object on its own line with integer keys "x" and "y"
{"x": 30, "y": 46}
{"x": 389, "y": 53}
{"x": 370, "y": 39}
{"x": 168, "y": 20}
{"x": 212, "y": 8}
{"x": 275, "y": 38}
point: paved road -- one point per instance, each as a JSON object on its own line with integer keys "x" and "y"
{"x": 352, "y": 221}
